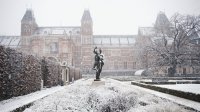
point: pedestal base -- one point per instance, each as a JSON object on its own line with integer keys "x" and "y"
{"x": 97, "y": 83}
{"x": 97, "y": 79}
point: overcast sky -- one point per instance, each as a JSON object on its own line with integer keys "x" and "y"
{"x": 109, "y": 16}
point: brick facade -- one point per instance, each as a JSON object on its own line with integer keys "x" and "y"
{"x": 75, "y": 44}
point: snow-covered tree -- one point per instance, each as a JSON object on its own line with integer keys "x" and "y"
{"x": 171, "y": 44}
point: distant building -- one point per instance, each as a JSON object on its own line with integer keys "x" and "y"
{"x": 74, "y": 44}
{"x": 146, "y": 35}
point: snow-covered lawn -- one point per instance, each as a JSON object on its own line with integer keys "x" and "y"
{"x": 114, "y": 96}
{"x": 193, "y": 88}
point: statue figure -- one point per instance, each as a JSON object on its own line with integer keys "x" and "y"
{"x": 98, "y": 64}
{"x": 96, "y": 58}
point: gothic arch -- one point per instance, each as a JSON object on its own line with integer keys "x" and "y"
{"x": 52, "y": 58}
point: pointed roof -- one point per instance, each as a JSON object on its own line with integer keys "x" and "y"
{"x": 86, "y": 16}
{"x": 194, "y": 34}
{"x": 161, "y": 20}
{"x": 28, "y": 16}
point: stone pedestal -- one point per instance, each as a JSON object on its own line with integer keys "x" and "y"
{"x": 98, "y": 83}
{"x": 97, "y": 80}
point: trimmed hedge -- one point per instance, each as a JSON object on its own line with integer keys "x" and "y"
{"x": 21, "y": 74}
{"x": 166, "y": 82}
{"x": 157, "y": 82}
{"x": 49, "y": 69}
{"x": 77, "y": 74}
{"x": 186, "y": 95}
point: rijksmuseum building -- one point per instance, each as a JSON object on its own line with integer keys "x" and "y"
{"x": 74, "y": 44}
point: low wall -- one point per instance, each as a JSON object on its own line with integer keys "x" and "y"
{"x": 173, "y": 78}
{"x": 112, "y": 72}
{"x": 186, "y": 95}
{"x": 118, "y": 73}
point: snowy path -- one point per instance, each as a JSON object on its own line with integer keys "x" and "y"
{"x": 16, "y": 102}
{"x": 178, "y": 100}
{"x": 114, "y": 96}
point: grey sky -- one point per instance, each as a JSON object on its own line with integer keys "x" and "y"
{"x": 109, "y": 16}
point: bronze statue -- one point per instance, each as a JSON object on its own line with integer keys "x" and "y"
{"x": 98, "y": 64}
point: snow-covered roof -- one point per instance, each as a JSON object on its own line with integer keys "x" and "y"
{"x": 159, "y": 39}
{"x": 161, "y": 20}
{"x": 74, "y": 30}
{"x": 10, "y": 41}
{"x": 198, "y": 34}
{"x": 139, "y": 72}
{"x": 195, "y": 35}
{"x": 146, "y": 31}
{"x": 86, "y": 16}
{"x": 29, "y": 15}
{"x": 114, "y": 39}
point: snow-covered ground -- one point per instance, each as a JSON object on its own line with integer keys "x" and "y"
{"x": 16, "y": 102}
{"x": 114, "y": 96}
{"x": 193, "y": 88}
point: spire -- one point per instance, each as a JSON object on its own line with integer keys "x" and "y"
{"x": 28, "y": 16}
{"x": 86, "y": 16}
{"x": 162, "y": 20}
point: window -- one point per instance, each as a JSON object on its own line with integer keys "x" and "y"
{"x": 179, "y": 70}
{"x": 184, "y": 70}
{"x": 125, "y": 65}
{"x": 165, "y": 71}
{"x": 115, "y": 65}
{"x": 45, "y": 32}
{"x": 134, "y": 65}
{"x": 54, "y": 48}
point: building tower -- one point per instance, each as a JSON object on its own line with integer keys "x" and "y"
{"x": 162, "y": 20}
{"x": 86, "y": 42}
{"x": 86, "y": 28}
{"x": 28, "y": 26}
{"x": 28, "y": 23}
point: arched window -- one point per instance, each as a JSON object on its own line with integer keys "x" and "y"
{"x": 54, "y": 48}
{"x": 45, "y": 32}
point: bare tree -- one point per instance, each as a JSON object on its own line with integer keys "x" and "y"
{"x": 171, "y": 43}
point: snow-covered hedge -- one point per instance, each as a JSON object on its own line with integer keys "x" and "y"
{"x": 21, "y": 74}
{"x": 74, "y": 74}
{"x": 186, "y": 95}
{"x": 51, "y": 73}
